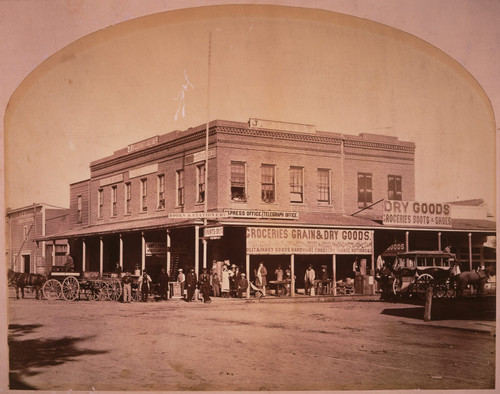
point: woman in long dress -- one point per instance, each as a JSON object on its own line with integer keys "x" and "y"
{"x": 225, "y": 282}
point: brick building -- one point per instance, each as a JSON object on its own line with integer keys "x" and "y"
{"x": 24, "y": 226}
{"x": 282, "y": 193}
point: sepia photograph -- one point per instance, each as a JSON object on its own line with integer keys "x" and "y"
{"x": 289, "y": 195}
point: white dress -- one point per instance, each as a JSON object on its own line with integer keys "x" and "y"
{"x": 225, "y": 281}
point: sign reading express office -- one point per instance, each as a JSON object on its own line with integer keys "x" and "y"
{"x": 264, "y": 240}
{"x": 414, "y": 213}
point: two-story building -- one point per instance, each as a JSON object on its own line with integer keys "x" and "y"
{"x": 24, "y": 226}
{"x": 282, "y": 193}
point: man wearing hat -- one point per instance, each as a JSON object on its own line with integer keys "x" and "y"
{"x": 204, "y": 284}
{"x": 309, "y": 277}
{"x": 144, "y": 281}
{"x": 242, "y": 285}
{"x": 181, "y": 278}
{"x": 127, "y": 287}
{"x": 190, "y": 284}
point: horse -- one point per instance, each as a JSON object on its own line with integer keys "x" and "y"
{"x": 20, "y": 280}
{"x": 478, "y": 278}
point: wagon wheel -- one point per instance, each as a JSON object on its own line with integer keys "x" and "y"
{"x": 451, "y": 290}
{"x": 114, "y": 289}
{"x": 136, "y": 294}
{"x": 102, "y": 290}
{"x": 421, "y": 285}
{"x": 92, "y": 290}
{"x": 283, "y": 290}
{"x": 441, "y": 289}
{"x": 70, "y": 288}
{"x": 52, "y": 289}
{"x": 396, "y": 286}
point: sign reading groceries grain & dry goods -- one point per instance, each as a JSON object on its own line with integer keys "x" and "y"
{"x": 268, "y": 240}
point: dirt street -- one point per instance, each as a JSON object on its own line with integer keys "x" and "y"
{"x": 239, "y": 345}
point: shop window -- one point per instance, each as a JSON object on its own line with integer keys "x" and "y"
{"x": 200, "y": 176}
{"x": 180, "y": 188}
{"x": 79, "y": 209}
{"x": 364, "y": 189}
{"x": 296, "y": 184}
{"x": 161, "y": 191}
{"x": 144, "y": 195}
{"x": 268, "y": 183}
{"x": 128, "y": 198}
{"x": 238, "y": 192}
{"x": 394, "y": 187}
{"x": 113, "y": 201}
{"x": 323, "y": 186}
{"x": 100, "y": 202}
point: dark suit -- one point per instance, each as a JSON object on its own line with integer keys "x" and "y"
{"x": 191, "y": 285}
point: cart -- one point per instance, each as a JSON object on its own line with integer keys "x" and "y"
{"x": 69, "y": 285}
{"x": 413, "y": 272}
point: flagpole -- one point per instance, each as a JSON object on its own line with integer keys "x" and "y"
{"x": 206, "y": 149}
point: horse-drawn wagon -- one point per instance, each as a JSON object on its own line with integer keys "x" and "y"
{"x": 413, "y": 272}
{"x": 70, "y": 285}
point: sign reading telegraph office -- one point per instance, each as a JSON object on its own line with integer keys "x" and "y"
{"x": 266, "y": 240}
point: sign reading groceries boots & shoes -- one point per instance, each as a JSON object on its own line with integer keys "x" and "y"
{"x": 415, "y": 213}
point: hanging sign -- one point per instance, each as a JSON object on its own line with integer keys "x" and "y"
{"x": 213, "y": 232}
{"x": 415, "y": 213}
{"x": 155, "y": 248}
{"x": 268, "y": 240}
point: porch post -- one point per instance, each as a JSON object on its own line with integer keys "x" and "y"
{"x": 54, "y": 252}
{"x": 143, "y": 252}
{"x": 205, "y": 247}
{"x": 196, "y": 250}
{"x": 439, "y": 242}
{"x": 101, "y": 255}
{"x": 407, "y": 235}
{"x": 470, "y": 251}
{"x": 168, "y": 251}
{"x": 84, "y": 255}
{"x": 121, "y": 252}
{"x": 247, "y": 259}
{"x": 373, "y": 264}
{"x": 334, "y": 280}
{"x": 292, "y": 266}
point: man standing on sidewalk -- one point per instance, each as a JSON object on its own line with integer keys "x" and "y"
{"x": 127, "y": 287}
{"x": 309, "y": 277}
{"x": 191, "y": 284}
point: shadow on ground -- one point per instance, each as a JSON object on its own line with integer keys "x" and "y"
{"x": 483, "y": 309}
{"x": 25, "y": 356}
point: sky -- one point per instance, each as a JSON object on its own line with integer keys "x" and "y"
{"x": 83, "y": 101}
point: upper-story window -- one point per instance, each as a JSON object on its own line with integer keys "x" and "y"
{"x": 161, "y": 191}
{"x": 324, "y": 186}
{"x": 113, "y": 200}
{"x": 365, "y": 190}
{"x": 200, "y": 175}
{"x": 296, "y": 184}
{"x": 100, "y": 202}
{"x": 79, "y": 209}
{"x": 394, "y": 187}
{"x": 144, "y": 195}
{"x": 238, "y": 180}
{"x": 180, "y": 188}
{"x": 268, "y": 186}
{"x": 128, "y": 198}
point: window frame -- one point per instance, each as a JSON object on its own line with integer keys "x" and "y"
{"x": 200, "y": 183}
{"x": 79, "y": 208}
{"x": 160, "y": 205}
{"x": 114, "y": 196}
{"x": 180, "y": 196}
{"x": 297, "y": 189}
{"x": 321, "y": 188}
{"x": 100, "y": 203}
{"x": 397, "y": 195}
{"x": 238, "y": 183}
{"x": 365, "y": 191}
{"x": 144, "y": 195}
{"x": 272, "y": 184}
{"x": 128, "y": 198}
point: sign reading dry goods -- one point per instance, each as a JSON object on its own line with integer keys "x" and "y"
{"x": 264, "y": 240}
{"x": 413, "y": 213}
